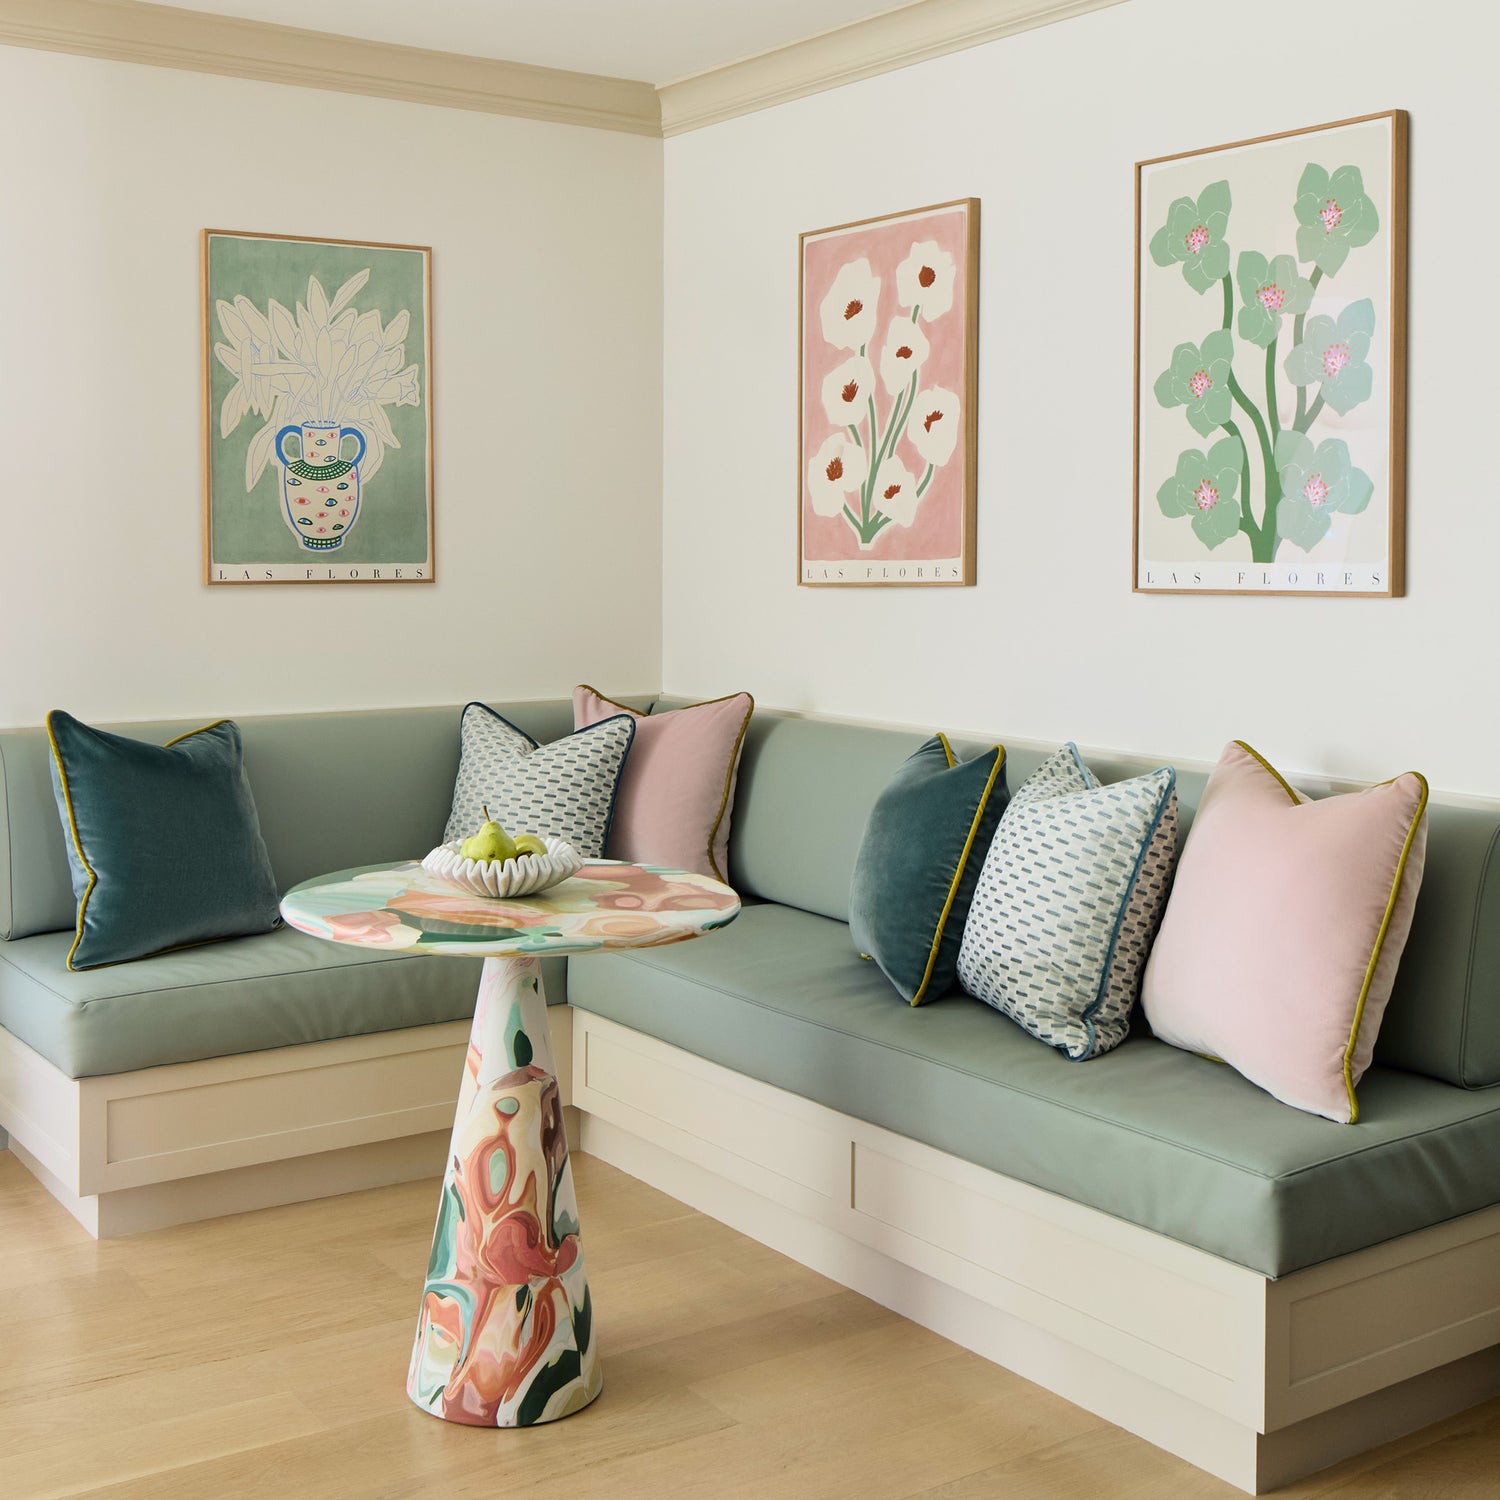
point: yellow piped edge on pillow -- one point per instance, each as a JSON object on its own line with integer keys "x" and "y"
{"x": 1385, "y": 922}
{"x": 181, "y": 737}
{"x": 88, "y": 890}
{"x": 960, "y": 867}
{"x": 734, "y": 761}
{"x": 83, "y": 901}
{"x": 734, "y": 758}
{"x": 1271, "y": 770}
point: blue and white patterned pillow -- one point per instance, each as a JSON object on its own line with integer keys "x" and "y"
{"x": 1068, "y": 902}
{"x": 564, "y": 789}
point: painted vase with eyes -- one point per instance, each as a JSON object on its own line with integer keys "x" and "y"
{"x": 320, "y": 487}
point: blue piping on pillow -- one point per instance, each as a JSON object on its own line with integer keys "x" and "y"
{"x": 1114, "y": 940}
{"x": 536, "y": 744}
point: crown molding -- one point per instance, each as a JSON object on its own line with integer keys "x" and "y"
{"x": 166, "y": 37}
{"x": 912, "y": 34}
{"x": 163, "y": 36}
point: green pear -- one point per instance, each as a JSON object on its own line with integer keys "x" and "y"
{"x": 529, "y": 843}
{"x": 491, "y": 843}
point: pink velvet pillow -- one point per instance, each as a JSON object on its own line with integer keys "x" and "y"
{"x": 1286, "y": 922}
{"x": 677, "y": 789}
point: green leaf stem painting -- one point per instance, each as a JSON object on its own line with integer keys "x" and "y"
{"x": 317, "y": 359}
{"x": 1270, "y": 364}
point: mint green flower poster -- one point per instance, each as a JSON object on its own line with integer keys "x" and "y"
{"x": 317, "y": 392}
{"x": 1270, "y": 364}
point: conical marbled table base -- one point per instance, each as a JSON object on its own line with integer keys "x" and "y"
{"x": 505, "y": 1337}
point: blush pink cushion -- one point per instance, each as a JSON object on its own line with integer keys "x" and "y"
{"x": 1285, "y": 925}
{"x": 677, "y": 789}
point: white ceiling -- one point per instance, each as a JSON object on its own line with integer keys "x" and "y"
{"x": 659, "y": 41}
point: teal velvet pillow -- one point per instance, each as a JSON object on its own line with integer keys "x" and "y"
{"x": 163, "y": 842}
{"x": 916, "y": 870}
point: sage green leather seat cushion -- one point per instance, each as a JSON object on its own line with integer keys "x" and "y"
{"x": 243, "y": 995}
{"x": 1150, "y": 1134}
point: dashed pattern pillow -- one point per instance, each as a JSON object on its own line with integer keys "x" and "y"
{"x": 1069, "y": 900}
{"x": 565, "y": 789}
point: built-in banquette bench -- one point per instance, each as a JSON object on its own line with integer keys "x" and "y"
{"x": 1254, "y": 1288}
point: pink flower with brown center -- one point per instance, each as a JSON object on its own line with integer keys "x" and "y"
{"x": 1199, "y": 383}
{"x": 1205, "y": 497}
{"x": 1335, "y": 357}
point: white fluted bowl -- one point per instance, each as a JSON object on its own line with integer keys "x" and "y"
{"x": 523, "y": 876}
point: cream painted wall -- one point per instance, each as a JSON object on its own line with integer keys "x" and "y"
{"x": 1045, "y": 128}
{"x": 547, "y": 350}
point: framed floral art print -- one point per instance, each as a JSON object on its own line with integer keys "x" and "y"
{"x": 1270, "y": 364}
{"x": 887, "y": 389}
{"x": 317, "y": 394}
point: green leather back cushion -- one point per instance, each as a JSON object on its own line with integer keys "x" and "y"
{"x": 805, "y": 791}
{"x": 806, "y": 788}
{"x": 331, "y": 790}
{"x": 803, "y": 798}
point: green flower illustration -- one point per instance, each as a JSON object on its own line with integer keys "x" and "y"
{"x": 1332, "y": 355}
{"x": 1194, "y": 235}
{"x": 1270, "y": 291}
{"x": 1199, "y": 380}
{"x": 1204, "y": 488}
{"x": 1315, "y": 482}
{"x": 1334, "y": 216}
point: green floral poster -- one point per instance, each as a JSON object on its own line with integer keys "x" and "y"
{"x": 317, "y": 404}
{"x": 1270, "y": 382}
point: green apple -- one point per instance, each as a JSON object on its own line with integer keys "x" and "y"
{"x": 491, "y": 843}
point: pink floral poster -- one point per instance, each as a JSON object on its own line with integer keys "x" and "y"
{"x": 888, "y": 347}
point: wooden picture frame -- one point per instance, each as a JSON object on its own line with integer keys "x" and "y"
{"x": 887, "y": 398}
{"x": 1271, "y": 315}
{"x": 317, "y": 409}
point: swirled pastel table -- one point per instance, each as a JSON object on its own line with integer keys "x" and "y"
{"x": 505, "y": 1336}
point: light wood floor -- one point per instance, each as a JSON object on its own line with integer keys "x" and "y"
{"x": 265, "y": 1355}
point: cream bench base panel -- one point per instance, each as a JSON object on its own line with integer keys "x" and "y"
{"x": 1254, "y": 1380}
{"x": 126, "y": 1152}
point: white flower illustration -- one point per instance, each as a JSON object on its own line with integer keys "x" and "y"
{"x": 847, "y": 390}
{"x": 848, "y": 311}
{"x": 836, "y": 468}
{"x": 326, "y": 362}
{"x": 925, "y": 280}
{"x": 933, "y": 429}
{"x": 895, "y": 492}
{"x": 903, "y": 354}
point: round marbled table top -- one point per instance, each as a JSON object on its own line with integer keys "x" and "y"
{"x": 607, "y": 904}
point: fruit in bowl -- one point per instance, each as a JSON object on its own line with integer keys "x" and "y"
{"x": 491, "y": 863}
{"x": 492, "y": 844}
